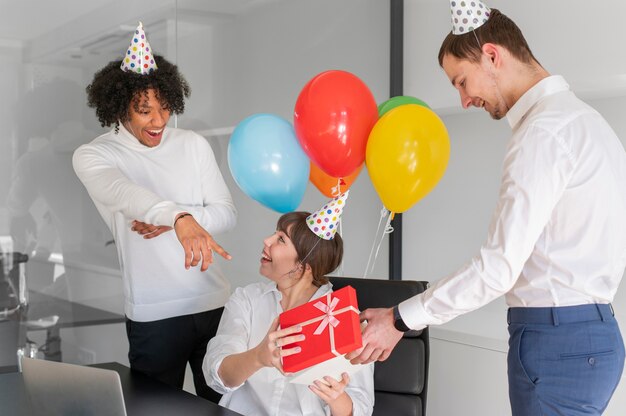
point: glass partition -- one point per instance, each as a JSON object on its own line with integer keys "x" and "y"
{"x": 240, "y": 57}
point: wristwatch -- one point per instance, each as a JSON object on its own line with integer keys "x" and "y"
{"x": 398, "y": 323}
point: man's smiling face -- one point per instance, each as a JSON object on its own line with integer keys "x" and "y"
{"x": 148, "y": 118}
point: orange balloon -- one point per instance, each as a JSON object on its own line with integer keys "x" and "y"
{"x": 328, "y": 185}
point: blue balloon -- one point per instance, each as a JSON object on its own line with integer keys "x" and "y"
{"x": 268, "y": 163}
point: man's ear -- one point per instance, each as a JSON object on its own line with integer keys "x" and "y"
{"x": 493, "y": 53}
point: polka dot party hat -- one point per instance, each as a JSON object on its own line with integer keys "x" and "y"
{"x": 325, "y": 221}
{"x": 468, "y": 15}
{"x": 139, "y": 57}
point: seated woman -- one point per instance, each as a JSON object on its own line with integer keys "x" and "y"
{"x": 243, "y": 361}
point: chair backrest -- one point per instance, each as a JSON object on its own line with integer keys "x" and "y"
{"x": 401, "y": 381}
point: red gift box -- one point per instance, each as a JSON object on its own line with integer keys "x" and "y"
{"x": 330, "y": 325}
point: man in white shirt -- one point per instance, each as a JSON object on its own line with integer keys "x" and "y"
{"x": 158, "y": 188}
{"x": 556, "y": 246}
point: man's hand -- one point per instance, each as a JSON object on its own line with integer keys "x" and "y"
{"x": 197, "y": 242}
{"x": 379, "y": 337}
{"x": 148, "y": 230}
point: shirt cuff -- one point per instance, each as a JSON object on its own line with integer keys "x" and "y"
{"x": 217, "y": 384}
{"x": 163, "y": 213}
{"x": 413, "y": 313}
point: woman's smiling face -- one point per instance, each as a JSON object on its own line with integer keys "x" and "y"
{"x": 279, "y": 257}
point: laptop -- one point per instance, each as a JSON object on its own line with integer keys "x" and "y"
{"x": 67, "y": 389}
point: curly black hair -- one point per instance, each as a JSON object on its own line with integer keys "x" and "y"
{"x": 113, "y": 90}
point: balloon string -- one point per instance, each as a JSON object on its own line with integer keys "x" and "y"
{"x": 389, "y": 227}
{"x": 340, "y": 231}
{"x": 336, "y": 190}
{"x": 388, "y": 230}
{"x": 383, "y": 213}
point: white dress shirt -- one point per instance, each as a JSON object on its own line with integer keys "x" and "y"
{"x": 247, "y": 317}
{"x": 558, "y": 233}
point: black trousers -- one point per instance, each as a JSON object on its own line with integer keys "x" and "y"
{"x": 162, "y": 349}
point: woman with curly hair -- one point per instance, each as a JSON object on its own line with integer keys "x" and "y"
{"x": 113, "y": 91}
{"x": 158, "y": 188}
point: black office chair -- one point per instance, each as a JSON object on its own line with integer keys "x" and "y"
{"x": 400, "y": 382}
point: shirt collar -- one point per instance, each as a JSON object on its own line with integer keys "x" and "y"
{"x": 547, "y": 86}
{"x": 269, "y": 287}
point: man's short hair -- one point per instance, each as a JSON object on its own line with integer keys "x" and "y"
{"x": 499, "y": 30}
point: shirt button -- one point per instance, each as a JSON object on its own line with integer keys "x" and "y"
{"x": 591, "y": 361}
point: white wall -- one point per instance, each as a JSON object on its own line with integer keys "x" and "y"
{"x": 239, "y": 56}
{"x": 446, "y": 229}
{"x": 580, "y": 39}
{"x": 258, "y": 61}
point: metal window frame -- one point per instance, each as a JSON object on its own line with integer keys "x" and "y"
{"x": 396, "y": 79}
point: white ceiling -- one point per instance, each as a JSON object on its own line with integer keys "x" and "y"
{"x": 25, "y": 20}
{"x": 77, "y": 31}
{"x": 28, "y": 19}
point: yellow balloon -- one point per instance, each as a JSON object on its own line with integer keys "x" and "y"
{"x": 407, "y": 154}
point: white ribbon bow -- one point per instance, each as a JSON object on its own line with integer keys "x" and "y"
{"x": 329, "y": 318}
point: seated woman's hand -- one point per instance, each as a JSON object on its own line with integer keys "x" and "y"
{"x": 330, "y": 389}
{"x": 270, "y": 351}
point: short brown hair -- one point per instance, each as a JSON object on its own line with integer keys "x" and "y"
{"x": 498, "y": 29}
{"x": 323, "y": 258}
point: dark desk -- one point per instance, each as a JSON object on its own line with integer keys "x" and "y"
{"x": 143, "y": 396}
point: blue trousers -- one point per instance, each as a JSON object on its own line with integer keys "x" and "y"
{"x": 563, "y": 360}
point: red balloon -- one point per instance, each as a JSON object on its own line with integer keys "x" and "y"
{"x": 333, "y": 117}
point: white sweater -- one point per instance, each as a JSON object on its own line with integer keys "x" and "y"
{"x": 129, "y": 181}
